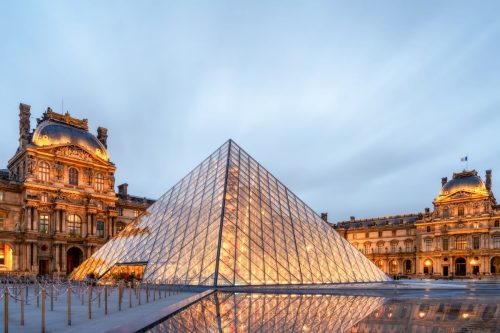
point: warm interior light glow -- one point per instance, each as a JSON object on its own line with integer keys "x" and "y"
{"x": 421, "y": 314}
{"x": 428, "y": 262}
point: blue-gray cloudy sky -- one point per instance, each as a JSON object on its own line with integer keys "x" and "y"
{"x": 359, "y": 107}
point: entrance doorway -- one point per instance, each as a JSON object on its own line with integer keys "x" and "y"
{"x": 445, "y": 271}
{"x": 495, "y": 265}
{"x": 43, "y": 267}
{"x": 74, "y": 258}
{"x": 407, "y": 265}
{"x": 460, "y": 267}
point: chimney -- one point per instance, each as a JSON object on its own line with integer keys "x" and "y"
{"x": 102, "y": 135}
{"x": 488, "y": 180}
{"x": 24, "y": 124}
{"x": 444, "y": 180}
{"x": 353, "y": 218}
{"x": 122, "y": 189}
{"x": 324, "y": 217}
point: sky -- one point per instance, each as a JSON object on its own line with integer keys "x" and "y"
{"x": 359, "y": 107}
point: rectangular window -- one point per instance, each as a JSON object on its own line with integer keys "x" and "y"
{"x": 446, "y": 245}
{"x": 136, "y": 213}
{"x": 1, "y": 196}
{"x": 408, "y": 246}
{"x": 380, "y": 233}
{"x": 354, "y": 235}
{"x": 2, "y": 254}
{"x": 428, "y": 244}
{"x": 120, "y": 211}
{"x": 2, "y": 221}
{"x": 44, "y": 223}
{"x": 380, "y": 248}
{"x": 367, "y": 235}
{"x": 475, "y": 243}
{"x": 393, "y": 247}
{"x": 100, "y": 228}
{"x": 460, "y": 243}
{"x": 496, "y": 242}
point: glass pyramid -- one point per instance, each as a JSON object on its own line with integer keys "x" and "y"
{"x": 230, "y": 222}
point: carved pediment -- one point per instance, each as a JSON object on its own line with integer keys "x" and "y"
{"x": 73, "y": 152}
{"x": 460, "y": 195}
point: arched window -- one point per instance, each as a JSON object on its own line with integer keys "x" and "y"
{"x": 73, "y": 176}
{"x": 44, "y": 171}
{"x": 393, "y": 266}
{"x": 99, "y": 182}
{"x": 74, "y": 225}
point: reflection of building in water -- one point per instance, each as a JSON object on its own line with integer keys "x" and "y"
{"x": 57, "y": 198}
{"x": 460, "y": 237}
{"x": 229, "y": 312}
{"x": 432, "y": 316}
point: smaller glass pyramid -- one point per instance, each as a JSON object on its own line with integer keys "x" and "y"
{"x": 230, "y": 222}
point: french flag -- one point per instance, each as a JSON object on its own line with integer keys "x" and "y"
{"x": 463, "y": 159}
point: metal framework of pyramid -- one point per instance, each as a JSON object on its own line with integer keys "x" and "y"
{"x": 230, "y": 222}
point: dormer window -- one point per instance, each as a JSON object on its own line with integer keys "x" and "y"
{"x": 446, "y": 212}
{"x": 44, "y": 197}
{"x": 460, "y": 210}
{"x": 73, "y": 176}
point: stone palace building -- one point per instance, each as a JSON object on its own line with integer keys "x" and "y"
{"x": 459, "y": 238}
{"x": 58, "y": 203}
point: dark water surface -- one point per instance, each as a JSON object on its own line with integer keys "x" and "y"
{"x": 264, "y": 312}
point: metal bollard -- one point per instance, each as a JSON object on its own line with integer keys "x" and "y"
{"x": 69, "y": 305}
{"x": 6, "y": 310}
{"x": 43, "y": 311}
{"x": 105, "y": 300}
{"x": 90, "y": 301}
{"x": 22, "y": 307}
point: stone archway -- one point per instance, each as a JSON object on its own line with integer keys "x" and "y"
{"x": 460, "y": 267}
{"x": 407, "y": 266}
{"x": 6, "y": 257}
{"x": 74, "y": 257}
{"x": 495, "y": 265}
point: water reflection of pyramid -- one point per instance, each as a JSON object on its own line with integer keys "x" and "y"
{"x": 228, "y": 312}
{"x": 230, "y": 222}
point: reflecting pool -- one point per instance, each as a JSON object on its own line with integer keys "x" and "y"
{"x": 259, "y": 312}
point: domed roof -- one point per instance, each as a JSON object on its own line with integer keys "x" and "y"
{"x": 466, "y": 181}
{"x": 50, "y": 133}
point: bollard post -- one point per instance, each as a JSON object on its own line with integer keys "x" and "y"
{"x": 90, "y": 301}
{"x": 15, "y": 293}
{"x": 139, "y": 294}
{"x": 69, "y": 305}
{"x": 147, "y": 292}
{"x": 52, "y": 298}
{"x": 130, "y": 297}
{"x": 105, "y": 300}
{"x": 154, "y": 292}
{"x": 43, "y": 310}
{"x": 119, "y": 296}
{"x": 37, "y": 291}
{"x": 99, "y": 296}
{"x": 6, "y": 310}
{"x": 27, "y": 294}
{"x": 22, "y": 307}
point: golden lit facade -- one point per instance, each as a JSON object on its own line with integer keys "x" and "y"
{"x": 459, "y": 238}
{"x": 230, "y": 222}
{"x": 57, "y": 199}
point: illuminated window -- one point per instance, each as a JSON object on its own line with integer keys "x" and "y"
{"x": 99, "y": 182}
{"x": 120, "y": 226}
{"x": 2, "y": 221}
{"x": 460, "y": 242}
{"x": 475, "y": 243}
{"x": 380, "y": 248}
{"x": 1, "y": 196}
{"x": 100, "y": 228}
{"x": 394, "y": 247}
{"x": 367, "y": 248}
{"x": 428, "y": 244}
{"x": 460, "y": 210}
{"x": 44, "y": 197}
{"x": 2, "y": 254}
{"x": 74, "y": 225}
{"x": 44, "y": 223}
{"x": 446, "y": 244}
{"x": 44, "y": 171}
{"x": 393, "y": 267}
{"x": 476, "y": 225}
{"x": 136, "y": 213}
{"x": 73, "y": 176}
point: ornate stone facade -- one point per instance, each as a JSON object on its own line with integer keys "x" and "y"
{"x": 57, "y": 199}
{"x": 459, "y": 238}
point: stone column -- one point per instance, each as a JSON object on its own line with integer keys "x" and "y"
{"x": 63, "y": 251}
{"x": 28, "y": 256}
{"x": 92, "y": 224}
{"x": 35, "y": 258}
{"x": 16, "y": 256}
{"x": 63, "y": 230}
{"x": 36, "y": 219}
{"x": 85, "y": 223}
{"x": 56, "y": 258}
{"x": 29, "y": 225}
